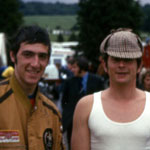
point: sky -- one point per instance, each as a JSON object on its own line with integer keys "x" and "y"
{"x": 143, "y": 2}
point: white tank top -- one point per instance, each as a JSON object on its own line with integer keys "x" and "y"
{"x": 110, "y": 135}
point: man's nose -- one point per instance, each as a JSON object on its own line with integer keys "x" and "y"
{"x": 35, "y": 61}
{"x": 121, "y": 63}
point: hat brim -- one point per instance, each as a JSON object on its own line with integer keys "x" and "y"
{"x": 127, "y": 55}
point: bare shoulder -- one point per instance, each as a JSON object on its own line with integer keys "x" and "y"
{"x": 86, "y": 101}
{"x": 80, "y": 124}
{"x": 84, "y": 106}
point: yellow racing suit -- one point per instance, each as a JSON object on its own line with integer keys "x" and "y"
{"x": 23, "y": 127}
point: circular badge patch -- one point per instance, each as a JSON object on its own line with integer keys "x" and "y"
{"x": 48, "y": 139}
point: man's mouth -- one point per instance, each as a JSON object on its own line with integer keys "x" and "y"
{"x": 34, "y": 72}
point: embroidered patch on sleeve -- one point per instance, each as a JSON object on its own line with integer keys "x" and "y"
{"x": 9, "y": 136}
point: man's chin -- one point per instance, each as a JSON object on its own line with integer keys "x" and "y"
{"x": 32, "y": 82}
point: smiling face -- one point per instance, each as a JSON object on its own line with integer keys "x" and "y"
{"x": 121, "y": 71}
{"x": 30, "y": 63}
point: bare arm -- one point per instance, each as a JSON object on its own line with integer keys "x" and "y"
{"x": 81, "y": 134}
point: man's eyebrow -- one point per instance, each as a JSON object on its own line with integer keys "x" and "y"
{"x": 27, "y": 51}
{"x": 34, "y": 52}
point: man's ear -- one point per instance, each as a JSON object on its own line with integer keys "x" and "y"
{"x": 140, "y": 67}
{"x": 105, "y": 66}
{"x": 12, "y": 56}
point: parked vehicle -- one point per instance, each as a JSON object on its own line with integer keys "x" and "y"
{"x": 60, "y": 51}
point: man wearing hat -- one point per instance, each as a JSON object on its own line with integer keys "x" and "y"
{"x": 117, "y": 118}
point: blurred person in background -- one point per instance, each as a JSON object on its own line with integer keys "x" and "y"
{"x": 144, "y": 78}
{"x": 101, "y": 72}
{"x": 65, "y": 71}
{"x": 83, "y": 83}
{"x": 49, "y": 83}
{"x": 8, "y": 72}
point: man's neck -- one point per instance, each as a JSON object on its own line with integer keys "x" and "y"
{"x": 125, "y": 92}
{"x": 28, "y": 89}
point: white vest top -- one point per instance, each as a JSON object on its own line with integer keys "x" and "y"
{"x": 110, "y": 135}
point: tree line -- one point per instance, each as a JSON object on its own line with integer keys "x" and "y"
{"x": 39, "y": 8}
{"x": 146, "y": 18}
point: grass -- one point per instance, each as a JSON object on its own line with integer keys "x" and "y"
{"x": 51, "y": 22}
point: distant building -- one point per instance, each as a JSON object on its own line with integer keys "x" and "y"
{"x": 60, "y": 31}
{"x": 60, "y": 51}
{"x": 57, "y": 32}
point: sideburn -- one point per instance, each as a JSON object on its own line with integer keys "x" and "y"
{"x": 15, "y": 60}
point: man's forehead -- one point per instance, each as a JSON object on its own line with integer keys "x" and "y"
{"x": 33, "y": 47}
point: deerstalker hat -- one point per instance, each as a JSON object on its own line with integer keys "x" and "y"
{"x": 122, "y": 43}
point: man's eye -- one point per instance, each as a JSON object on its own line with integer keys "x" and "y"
{"x": 129, "y": 60}
{"x": 115, "y": 59}
{"x": 43, "y": 56}
{"x": 125, "y": 60}
{"x": 28, "y": 54}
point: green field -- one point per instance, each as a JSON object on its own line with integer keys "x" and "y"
{"x": 51, "y": 22}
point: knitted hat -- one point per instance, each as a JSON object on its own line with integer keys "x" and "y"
{"x": 122, "y": 43}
